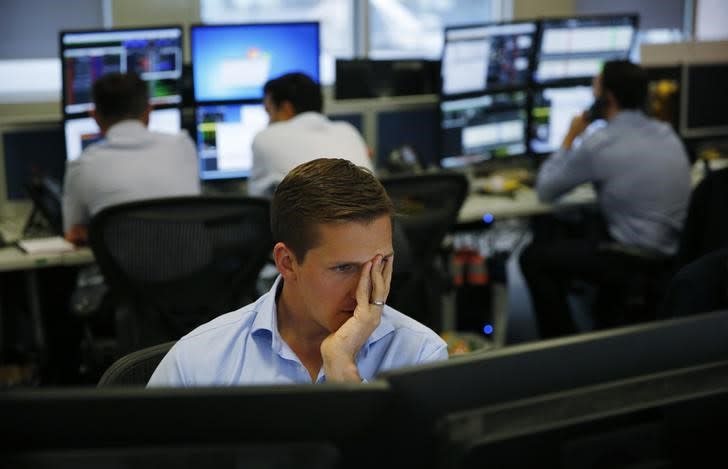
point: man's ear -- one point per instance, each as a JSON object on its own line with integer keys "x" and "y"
{"x": 145, "y": 115}
{"x": 98, "y": 119}
{"x": 286, "y": 262}
{"x": 287, "y": 110}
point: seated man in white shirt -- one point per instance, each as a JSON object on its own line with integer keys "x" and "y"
{"x": 130, "y": 163}
{"x": 299, "y": 132}
{"x": 324, "y": 319}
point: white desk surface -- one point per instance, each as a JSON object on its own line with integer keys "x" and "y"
{"x": 13, "y": 258}
{"x": 524, "y": 202}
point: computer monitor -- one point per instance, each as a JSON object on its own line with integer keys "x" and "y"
{"x": 225, "y": 135}
{"x": 154, "y": 53}
{"x": 80, "y": 132}
{"x": 481, "y": 128}
{"x": 574, "y": 49}
{"x": 233, "y": 62}
{"x": 551, "y": 115}
{"x": 670, "y": 419}
{"x": 548, "y": 366}
{"x": 29, "y": 153}
{"x": 487, "y": 57}
{"x": 332, "y": 425}
{"x": 704, "y": 100}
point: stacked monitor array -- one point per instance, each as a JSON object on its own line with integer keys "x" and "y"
{"x": 230, "y": 66}
{"x": 155, "y": 54}
{"x": 510, "y": 89}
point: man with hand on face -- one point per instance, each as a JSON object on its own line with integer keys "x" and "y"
{"x": 325, "y": 318}
{"x": 641, "y": 174}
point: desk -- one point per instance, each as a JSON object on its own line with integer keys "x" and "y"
{"x": 524, "y": 202}
{"x": 14, "y": 259}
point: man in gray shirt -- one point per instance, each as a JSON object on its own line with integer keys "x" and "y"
{"x": 130, "y": 163}
{"x": 641, "y": 174}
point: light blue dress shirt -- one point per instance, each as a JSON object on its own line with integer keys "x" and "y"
{"x": 244, "y": 347}
{"x": 640, "y": 172}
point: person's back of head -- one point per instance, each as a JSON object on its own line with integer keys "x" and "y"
{"x": 297, "y": 88}
{"x": 627, "y": 82}
{"x": 322, "y": 191}
{"x": 119, "y": 96}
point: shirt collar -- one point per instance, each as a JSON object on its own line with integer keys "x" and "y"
{"x": 125, "y": 127}
{"x": 626, "y": 115}
{"x": 266, "y": 319}
{"x": 309, "y": 118}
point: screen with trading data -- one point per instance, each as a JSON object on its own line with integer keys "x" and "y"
{"x": 484, "y": 57}
{"x": 155, "y": 54}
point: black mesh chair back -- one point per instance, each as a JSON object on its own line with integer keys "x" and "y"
{"x": 179, "y": 262}
{"x": 706, "y": 225}
{"x": 427, "y": 207}
{"x": 136, "y": 368}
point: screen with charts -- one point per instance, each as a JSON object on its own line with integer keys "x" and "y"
{"x": 233, "y": 62}
{"x": 576, "y": 48}
{"x": 481, "y": 128}
{"x": 551, "y": 115}
{"x": 155, "y": 54}
{"x": 225, "y": 134}
{"x": 484, "y": 57}
{"x": 82, "y": 131}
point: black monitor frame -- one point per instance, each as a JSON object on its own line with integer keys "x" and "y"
{"x": 670, "y": 419}
{"x": 525, "y": 370}
{"x": 351, "y": 418}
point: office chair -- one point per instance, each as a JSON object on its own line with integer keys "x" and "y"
{"x": 698, "y": 287}
{"x": 640, "y": 292}
{"x": 706, "y": 224}
{"x": 135, "y": 368}
{"x": 172, "y": 264}
{"x": 427, "y": 207}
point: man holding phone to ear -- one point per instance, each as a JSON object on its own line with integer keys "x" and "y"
{"x": 641, "y": 174}
{"x": 325, "y": 318}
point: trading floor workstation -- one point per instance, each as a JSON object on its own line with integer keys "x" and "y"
{"x": 506, "y": 93}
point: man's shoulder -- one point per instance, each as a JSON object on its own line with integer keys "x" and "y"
{"x": 405, "y": 325}
{"x": 222, "y": 328}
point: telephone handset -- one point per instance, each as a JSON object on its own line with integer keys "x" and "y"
{"x": 597, "y": 109}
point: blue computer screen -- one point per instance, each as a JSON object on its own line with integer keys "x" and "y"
{"x": 233, "y": 62}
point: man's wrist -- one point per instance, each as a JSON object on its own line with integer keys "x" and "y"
{"x": 338, "y": 366}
